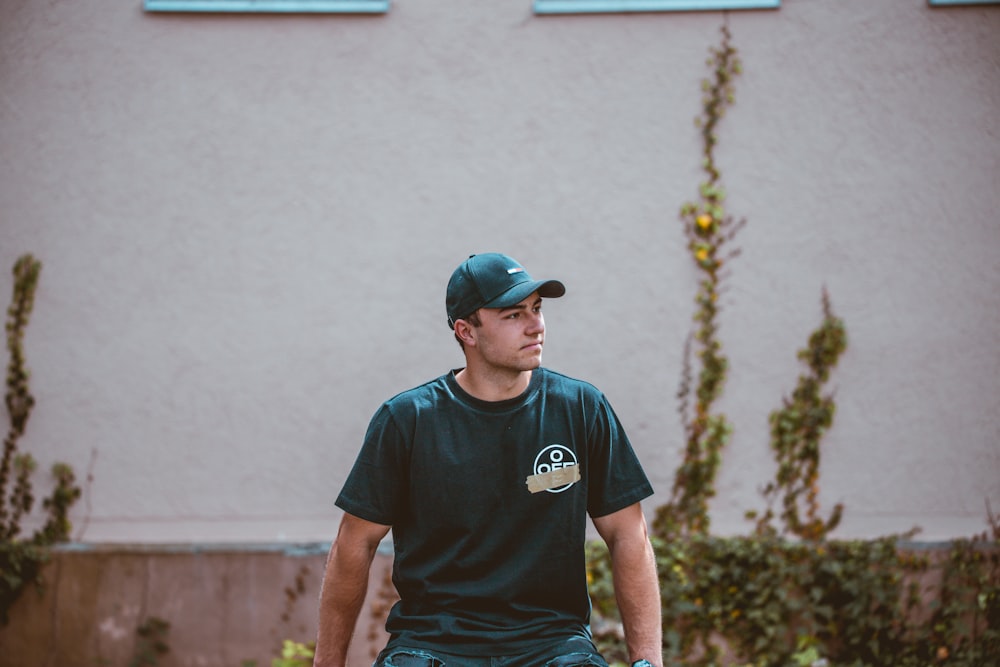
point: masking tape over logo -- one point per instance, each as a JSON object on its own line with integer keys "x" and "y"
{"x": 554, "y": 479}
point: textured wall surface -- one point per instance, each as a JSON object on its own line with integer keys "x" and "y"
{"x": 247, "y": 223}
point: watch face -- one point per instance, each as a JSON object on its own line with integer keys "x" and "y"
{"x": 642, "y": 663}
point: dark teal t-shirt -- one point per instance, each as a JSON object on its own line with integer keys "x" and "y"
{"x": 486, "y": 563}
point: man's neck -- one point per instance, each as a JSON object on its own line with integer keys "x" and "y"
{"x": 493, "y": 386}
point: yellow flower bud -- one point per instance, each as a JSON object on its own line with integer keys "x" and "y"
{"x": 704, "y": 220}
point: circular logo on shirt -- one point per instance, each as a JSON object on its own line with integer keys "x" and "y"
{"x": 552, "y": 458}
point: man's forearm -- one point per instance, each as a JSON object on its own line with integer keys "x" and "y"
{"x": 637, "y": 592}
{"x": 345, "y": 583}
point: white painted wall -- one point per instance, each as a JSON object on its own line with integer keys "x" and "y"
{"x": 247, "y": 223}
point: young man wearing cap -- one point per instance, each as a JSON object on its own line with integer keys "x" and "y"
{"x": 486, "y": 477}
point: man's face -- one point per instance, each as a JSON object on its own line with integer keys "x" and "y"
{"x": 511, "y": 338}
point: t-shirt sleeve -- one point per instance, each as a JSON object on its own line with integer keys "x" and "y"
{"x": 616, "y": 478}
{"x": 377, "y": 483}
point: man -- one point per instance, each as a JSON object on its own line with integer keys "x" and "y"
{"x": 486, "y": 476}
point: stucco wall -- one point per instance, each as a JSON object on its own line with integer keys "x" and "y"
{"x": 247, "y": 222}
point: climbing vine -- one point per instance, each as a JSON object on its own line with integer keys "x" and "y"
{"x": 21, "y": 558}
{"x": 709, "y": 231}
{"x": 796, "y": 430}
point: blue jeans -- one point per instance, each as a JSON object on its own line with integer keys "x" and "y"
{"x": 574, "y": 652}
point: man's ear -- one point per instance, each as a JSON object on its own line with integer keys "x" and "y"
{"x": 465, "y": 332}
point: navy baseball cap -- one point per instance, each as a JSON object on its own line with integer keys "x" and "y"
{"x": 492, "y": 280}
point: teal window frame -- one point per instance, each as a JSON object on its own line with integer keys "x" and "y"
{"x": 615, "y": 6}
{"x": 944, "y": 3}
{"x": 270, "y": 6}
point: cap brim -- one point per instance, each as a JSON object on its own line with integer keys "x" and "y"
{"x": 549, "y": 289}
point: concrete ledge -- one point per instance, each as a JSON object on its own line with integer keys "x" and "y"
{"x": 227, "y": 605}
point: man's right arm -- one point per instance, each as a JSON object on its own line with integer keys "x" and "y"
{"x": 345, "y": 582}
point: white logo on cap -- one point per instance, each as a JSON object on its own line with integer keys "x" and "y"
{"x": 516, "y": 269}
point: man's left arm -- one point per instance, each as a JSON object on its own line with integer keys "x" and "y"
{"x": 637, "y": 587}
